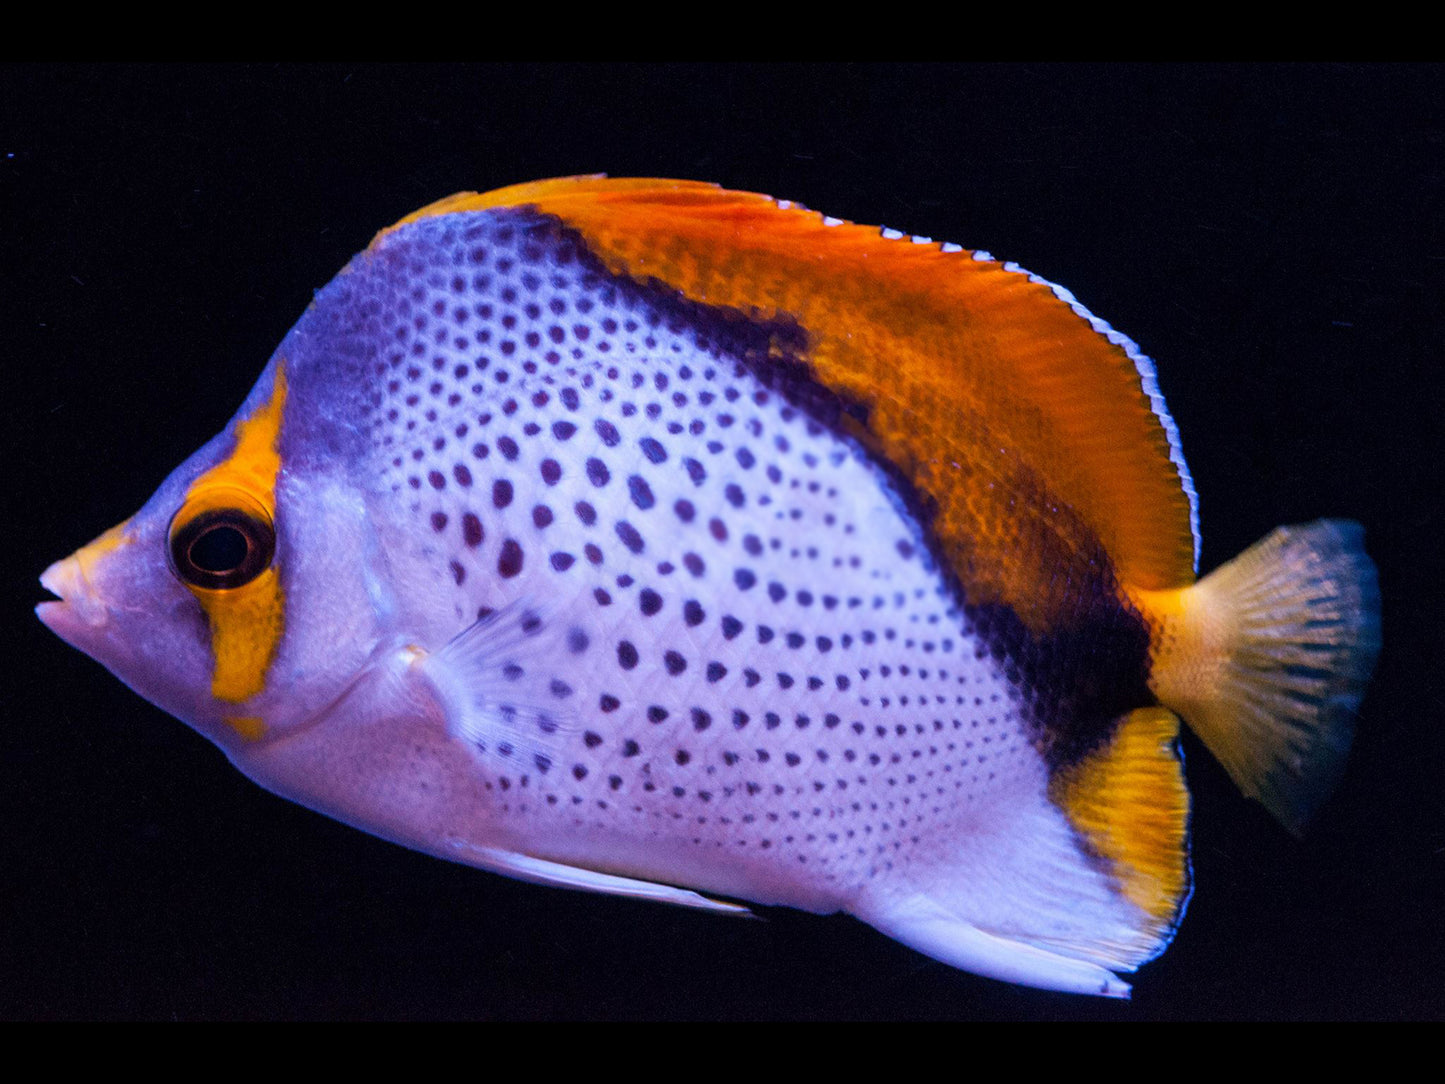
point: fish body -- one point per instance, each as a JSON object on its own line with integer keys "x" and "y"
{"x": 650, "y": 538}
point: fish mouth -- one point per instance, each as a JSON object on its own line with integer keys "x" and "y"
{"x": 77, "y": 613}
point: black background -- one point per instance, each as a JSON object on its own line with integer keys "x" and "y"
{"x": 1272, "y": 236}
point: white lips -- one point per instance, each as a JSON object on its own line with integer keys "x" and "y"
{"x": 78, "y": 612}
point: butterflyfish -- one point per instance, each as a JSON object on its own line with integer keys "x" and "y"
{"x": 649, "y": 538}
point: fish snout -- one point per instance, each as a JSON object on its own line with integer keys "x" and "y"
{"x": 79, "y": 611}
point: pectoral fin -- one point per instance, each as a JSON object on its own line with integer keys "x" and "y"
{"x": 500, "y": 685}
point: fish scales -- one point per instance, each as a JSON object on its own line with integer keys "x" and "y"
{"x": 699, "y": 515}
{"x": 637, "y": 534}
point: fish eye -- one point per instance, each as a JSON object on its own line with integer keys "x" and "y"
{"x": 222, "y": 545}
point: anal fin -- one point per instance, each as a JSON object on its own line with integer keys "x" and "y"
{"x": 542, "y": 871}
{"x": 1129, "y": 802}
{"x": 1073, "y": 885}
{"x": 921, "y": 923}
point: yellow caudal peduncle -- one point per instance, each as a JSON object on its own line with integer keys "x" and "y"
{"x": 246, "y": 622}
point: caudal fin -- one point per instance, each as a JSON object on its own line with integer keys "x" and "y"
{"x": 1267, "y": 658}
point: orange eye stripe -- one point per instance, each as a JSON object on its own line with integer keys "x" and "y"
{"x": 246, "y": 622}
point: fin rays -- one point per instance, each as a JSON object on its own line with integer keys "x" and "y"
{"x": 496, "y": 692}
{"x": 1267, "y": 659}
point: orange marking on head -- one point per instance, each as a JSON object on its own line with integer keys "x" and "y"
{"x": 112, "y": 539}
{"x": 247, "y": 726}
{"x": 93, "y": 551}
{"x": 252, "y": 465}
{"x": 246, "y": 622}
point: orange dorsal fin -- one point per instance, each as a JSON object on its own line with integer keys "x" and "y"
{"x": 988, "y": 388}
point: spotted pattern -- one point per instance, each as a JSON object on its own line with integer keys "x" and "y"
{"x": 771, "y": 667}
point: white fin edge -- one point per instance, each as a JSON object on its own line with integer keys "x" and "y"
{"x": 1149, "y": 381}
{"x": 1143, "y": 366}
{"x": 922, "y": 924}
{"x": 524, "y": 867}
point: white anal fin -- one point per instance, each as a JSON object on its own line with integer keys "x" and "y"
{"x": 540, "y": 871}
{"x": 922, "y": 924}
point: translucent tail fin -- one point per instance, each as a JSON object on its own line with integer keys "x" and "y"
{"x": 1267, "y": 658}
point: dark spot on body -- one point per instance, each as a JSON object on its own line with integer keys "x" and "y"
{"x": 472, "y": 533}
{"x": 640, "y": 492}
{"x": 510, "y": 561}
{"x": 629, "y": 536}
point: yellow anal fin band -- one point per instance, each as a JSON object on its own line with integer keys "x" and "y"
{"x": 1129, "y": 801}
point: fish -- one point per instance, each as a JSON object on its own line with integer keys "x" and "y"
{"x": 649, "y": 538}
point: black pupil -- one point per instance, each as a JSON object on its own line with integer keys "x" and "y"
{"x": 220, "y": 549}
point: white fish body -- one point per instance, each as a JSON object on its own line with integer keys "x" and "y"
{"x": 573, "y": 574}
